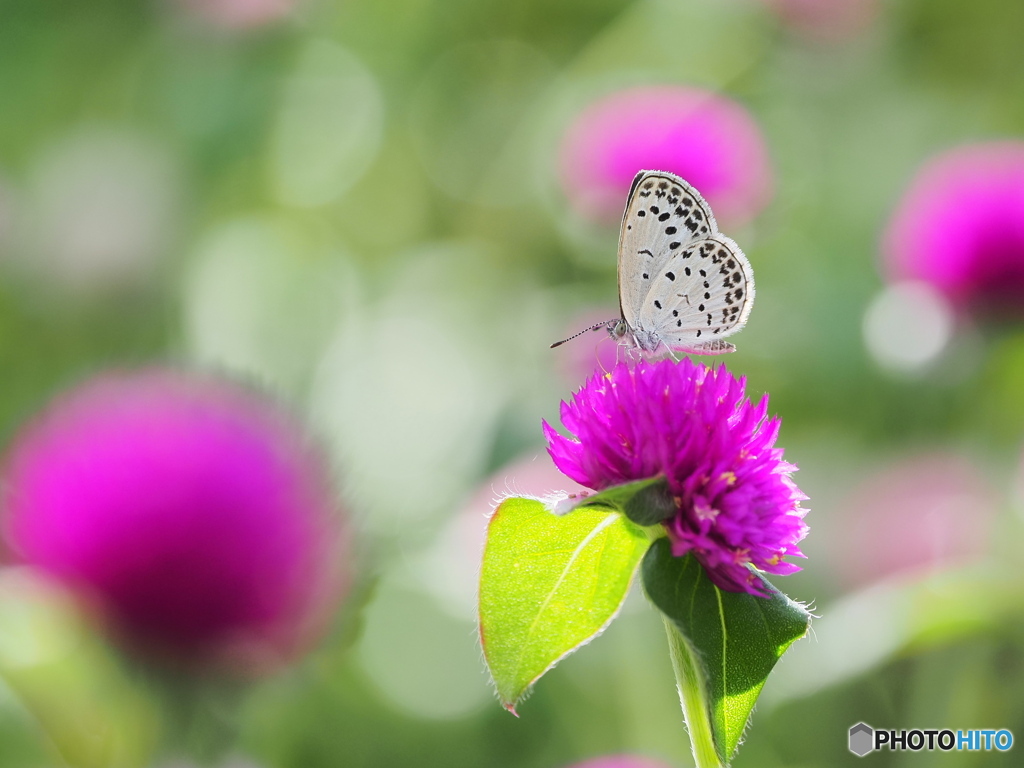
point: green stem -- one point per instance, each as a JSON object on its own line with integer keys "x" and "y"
{"x": 693, "y": 700}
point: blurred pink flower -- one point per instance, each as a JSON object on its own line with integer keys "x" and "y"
{"x": 189, "y": 511}
{"x": 239, "y": 14}
{"x": 621, "y": 761}
{"x": 708, "y": 139}
{"x": 826, "y": 21}
{"x": 935, "y": 511}
{"x": 960, "y": 227}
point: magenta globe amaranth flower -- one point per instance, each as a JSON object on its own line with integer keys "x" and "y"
{"x": 189, "y": 511}
{"x": 708, "y": 139}
{"x": 960, "y": 227}
{"x": 693, "y": 425}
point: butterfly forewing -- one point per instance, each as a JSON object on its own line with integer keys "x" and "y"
{"x": 703, "y": 293}
{"x": 664, "y": 215}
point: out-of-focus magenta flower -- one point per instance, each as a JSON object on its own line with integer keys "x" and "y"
{"x": 693, "y": 425}
{"x": 621, "y": 761}
{"x": 189, "y": 511}
{"x": 239, "y": 14}
{"x": 936, "y": 511}
{"x": 825, "y": 21}
{"x": 709, "y": 140}
{"x": 960, "y": 227}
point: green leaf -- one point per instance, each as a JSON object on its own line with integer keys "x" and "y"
{"x": 733, "y": 641}
{"x": 548, "y": 585}
{"x": 645, "y": 502}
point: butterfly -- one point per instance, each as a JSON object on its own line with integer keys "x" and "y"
{"x": 683, "y": 285}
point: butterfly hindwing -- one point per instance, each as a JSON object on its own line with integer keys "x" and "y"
{"x": 703, "y": 294}
{"x": 664, "y": 215}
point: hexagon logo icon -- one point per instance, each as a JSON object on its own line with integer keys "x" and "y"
{"x": 862, "y": 739}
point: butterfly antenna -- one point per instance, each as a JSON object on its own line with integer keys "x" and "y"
{"x": 591, "y": 328}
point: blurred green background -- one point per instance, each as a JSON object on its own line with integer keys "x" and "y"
{"x": 357, "y": 205}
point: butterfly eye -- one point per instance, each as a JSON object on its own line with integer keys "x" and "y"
{"x": 617, "y": 329}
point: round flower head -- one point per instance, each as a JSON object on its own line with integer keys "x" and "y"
{"x": 187, "y": 510}
{"x": 960, "y": 227}
{"x": 693, "y": 425}
{"x": 709, "y": 140}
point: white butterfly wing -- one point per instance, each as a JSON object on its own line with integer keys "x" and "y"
{"x": 702, "y": 294}
{"x": 664, "y": 215}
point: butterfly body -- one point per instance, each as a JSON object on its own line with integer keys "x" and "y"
{"x": 644, "y": 340}
{"x": 683, "y": 285}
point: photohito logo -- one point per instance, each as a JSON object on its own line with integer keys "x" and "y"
{"x": 865, "y": 739}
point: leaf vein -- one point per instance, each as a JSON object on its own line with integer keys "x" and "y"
{"x": 561, "y": 578}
